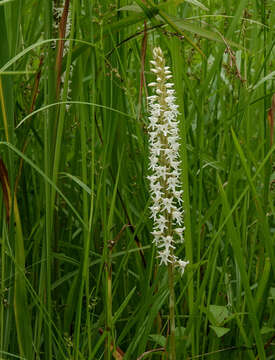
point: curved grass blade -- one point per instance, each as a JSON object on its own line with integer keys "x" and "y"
{"x": 72, "y": 102}
{"x": 204, "y": 33}
{"x": 40, "y": 172}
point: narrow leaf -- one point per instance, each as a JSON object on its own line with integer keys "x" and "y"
{"x": 268, "y": 77}
{"x": 198, "y": 4}
{"x": 123, "y": 305}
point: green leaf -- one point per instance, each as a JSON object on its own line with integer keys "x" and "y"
{"x": 262, "y": 285}
{"x": 5, "y": 1}
{"x": 78, "y": 182}
{"x": 208, "y": 34}
{"x": 158, "y": 339}
{"x": 123, "y": 305}
{"x": 220, "y": 331}
{"x": 138, "y": 9}
{"x": 198, "y": 4}
{"x": 238, "y": 253}
{"x": 20, "y": 297}
{"x": 260, "y": 210}
{"x": 272, "y": 293}
{"x": 44, "y": 176}
{"x": 270, "y": 76}
{"x": 179, "y": 331}
{"x": 266, "y": 330}
{"x": 219, "y": 313}
{"x": 133, "y": 7}
{"x": 150, "y": 11}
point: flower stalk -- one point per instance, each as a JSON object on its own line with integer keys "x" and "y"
{"x": 165, "y": 185}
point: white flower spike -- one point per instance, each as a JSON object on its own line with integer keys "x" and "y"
{"x": 165, "y": 186}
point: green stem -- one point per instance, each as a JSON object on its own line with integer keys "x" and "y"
{"x": 172, "y": 338}
{"x": 45, "y": 291}
{"x": 185, "y": 182}
{"x": 109, "y": 306}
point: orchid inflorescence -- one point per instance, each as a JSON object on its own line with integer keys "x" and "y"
{"x": 165, "y": 185}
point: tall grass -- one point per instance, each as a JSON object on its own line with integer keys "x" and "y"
{"x": 79, "y": 274}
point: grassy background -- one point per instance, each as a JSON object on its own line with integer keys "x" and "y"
{"x": 79, "y": 278}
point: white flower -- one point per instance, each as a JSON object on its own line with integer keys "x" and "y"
{"x": 165, "y": 165}
{"x": 167, "y": 204}
{"x": 179, "y": 231}
{"x": 155, "y": 188}
{"x": 157, "y": 195}
{"x": 164, "y": 257}
{"x": 182, "y": 264}
{"x": 170, "y": 91}
{"x": 177, "y": 215}
{"x": 152, "y": 98}
{"x": 161, "y": 222}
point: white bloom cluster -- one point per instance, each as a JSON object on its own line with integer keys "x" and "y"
{"x": 165, "y": 185}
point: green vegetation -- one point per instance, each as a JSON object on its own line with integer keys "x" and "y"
{"x": 79, "y": 276}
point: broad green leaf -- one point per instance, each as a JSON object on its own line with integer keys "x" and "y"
{"x": 220, "y": 331}
{"x": 208, "y": 34}
{"x": 158, "y": 339}
{"x": 132, "y": 7}
{"x": 179, "y": 331}
{"x": 219, "y": 313}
